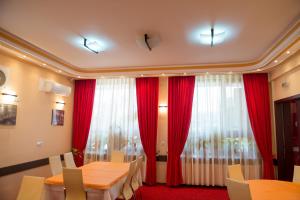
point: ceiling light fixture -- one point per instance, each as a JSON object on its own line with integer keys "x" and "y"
{"x": 91, "y": 45}
{"x": 258, "y": 70}
{"x": 213, "y": 37}
{"x": 288, "y": 52}
{"x": 275, "y": 61}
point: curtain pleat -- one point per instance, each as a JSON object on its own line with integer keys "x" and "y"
{"x": 180, "y": 101}
{"x": 258, "y": 102}
{"x": 147, "y": 102}
{"x": 82, "y": 114}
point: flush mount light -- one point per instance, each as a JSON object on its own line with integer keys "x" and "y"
{"x": 212, "y": 37}
{"x": 288, "y": 52}
{"x": 91, "y": 45}
{"x": 275, "y": 61}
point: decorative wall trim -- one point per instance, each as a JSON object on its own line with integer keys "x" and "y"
{"x": 17, "y": 46}
{"x": 25, "y": 166}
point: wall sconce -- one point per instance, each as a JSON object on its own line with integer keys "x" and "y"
{"x": 60, "y": 105}
{"x": 163, "y": 108}
{"x": 8, "y": 98}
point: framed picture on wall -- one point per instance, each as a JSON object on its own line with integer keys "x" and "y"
{"x": 8, "y": 114}
{"x": 57, "y": 117}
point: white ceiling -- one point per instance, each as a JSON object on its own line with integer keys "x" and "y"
{"x": 56, "y": 26}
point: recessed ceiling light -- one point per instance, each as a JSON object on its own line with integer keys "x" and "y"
{"x": 92, "y": 45}
{"x": 163, "y": 74}
{"x": 288, "y": 52}
{"x": 258, "y": 70}
{"x": 44, "y": 64}
{"x": 59, "y": 71}
{"x": 275, "y": 61}
{"x": 78, "y": 76}
{"x": 184, "y": 73}
{"x": 142, "y": 75}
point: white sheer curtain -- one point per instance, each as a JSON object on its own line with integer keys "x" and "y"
{"x": 114, "y": 124}
{"x": 220, "y": 133}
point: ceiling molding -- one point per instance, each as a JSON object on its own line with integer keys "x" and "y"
{"x": 16, "y": 46}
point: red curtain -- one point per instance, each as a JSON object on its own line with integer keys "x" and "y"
{"x": 82, "y": 115}
{"x": 147, "y": 103}
{"x": 180, "y": 101}
{"x": 258, "y": 103}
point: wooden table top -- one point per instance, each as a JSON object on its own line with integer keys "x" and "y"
{"x": 97, "y": 175}
{"x": 274, "y": 190}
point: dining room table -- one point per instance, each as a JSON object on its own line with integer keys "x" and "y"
{"x": 101, "y": 180}
{"x": 274, "y": 190}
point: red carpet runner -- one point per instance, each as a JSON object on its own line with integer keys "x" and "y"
{"x": 181, "y": 193}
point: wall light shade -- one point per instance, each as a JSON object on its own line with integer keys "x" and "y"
{"x": 59, "y": 105}
{"x": 92, "y": 45}
{"x": 163, "y": 108}
{"x": 8, "y": 98}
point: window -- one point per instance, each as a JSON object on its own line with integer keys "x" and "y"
{"x": 220, "y": 126}
{"x": 114, "y": 124}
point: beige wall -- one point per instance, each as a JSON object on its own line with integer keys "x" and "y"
{"x": 287, "y": 72}
{"x": 18, "y": 143}
{"x": 162, "y": 129}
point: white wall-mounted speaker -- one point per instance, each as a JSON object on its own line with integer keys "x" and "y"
{"x": 54, "y": 87}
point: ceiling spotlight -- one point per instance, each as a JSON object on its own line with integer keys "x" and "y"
{"x": 59, "y": 71}
{"x": 142, "y": 75}
{"x": 258, "y": 70}
{"x": 163, "y": 74}
{"x": 213, "y": 37}
{"x": 78, "y": 76}
{"x": 275, "y": 61}
{"x": 184, "y": 73}
{"x": 288, "y": 52}
{"x": 91, "y": 45}
{"x": 44, "y": 64}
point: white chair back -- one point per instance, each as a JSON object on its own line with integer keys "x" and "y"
{"x": 238, "y": 190}
{"x": 235, "y": 172}
{"x": 296, "y": 177}
{"x": 55, "y": 165}
{"x": 69, "y": 160}
{"x": 32, "y": 188}
{"x": 73, "y": 182}
{"x": 135, "y": 182}
{"x": 127, "y": 191}
{"x": 117, "y": 156}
